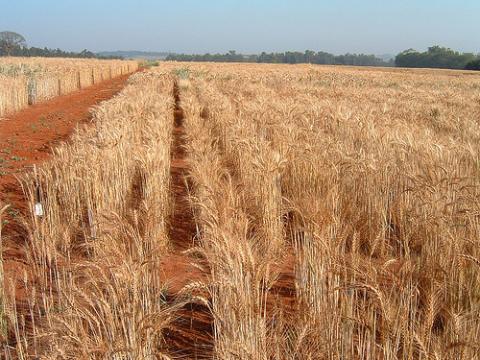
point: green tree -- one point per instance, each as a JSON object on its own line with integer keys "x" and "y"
{"x": 9, "y": 41}
{"x": 434, "y": 57}
{"x": 473, "y": 65}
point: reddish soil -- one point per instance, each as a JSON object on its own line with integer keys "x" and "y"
{"x": 26, "y": 137}
{"x": 191, "y": 336}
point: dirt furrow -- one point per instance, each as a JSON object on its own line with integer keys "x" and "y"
{"x": 191, "y": 334}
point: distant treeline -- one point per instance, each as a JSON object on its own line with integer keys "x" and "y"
{"x": 434, "y": 57}
{"x": 14, "y": 44}
{"x": 45, "y": 52}
{"x": 289, "y": 57}
{"x": 438, "y": 57}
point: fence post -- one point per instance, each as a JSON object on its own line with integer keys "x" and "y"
{"x": 32, "y": 90}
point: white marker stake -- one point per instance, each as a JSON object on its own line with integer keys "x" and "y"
{"x": 38, "y": 210}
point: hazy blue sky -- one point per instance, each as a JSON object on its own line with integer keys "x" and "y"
{"x": 371, "y": 26}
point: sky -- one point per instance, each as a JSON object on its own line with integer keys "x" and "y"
{"x": 247, "y": 26}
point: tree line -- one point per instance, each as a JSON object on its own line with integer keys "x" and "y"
{"x": 45, "y": 52}
{"x": 434, "y": 57}
{"x": 438, "y": 57}
{"x": 13, "y": 44}
{"x": 288, "y": 57}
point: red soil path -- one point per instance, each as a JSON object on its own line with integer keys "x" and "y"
{"x": 191, "y": 336}
{"x": 26, "y": 137}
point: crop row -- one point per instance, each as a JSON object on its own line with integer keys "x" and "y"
{"x": 26, "y": 81}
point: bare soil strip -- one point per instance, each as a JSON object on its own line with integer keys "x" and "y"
{"x": 191, "y": 336}
{"x": 182, "y": 224}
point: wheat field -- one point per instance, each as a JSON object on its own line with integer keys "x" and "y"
{"x": 26, "y": 81}
{"x": 336, "y": 214}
